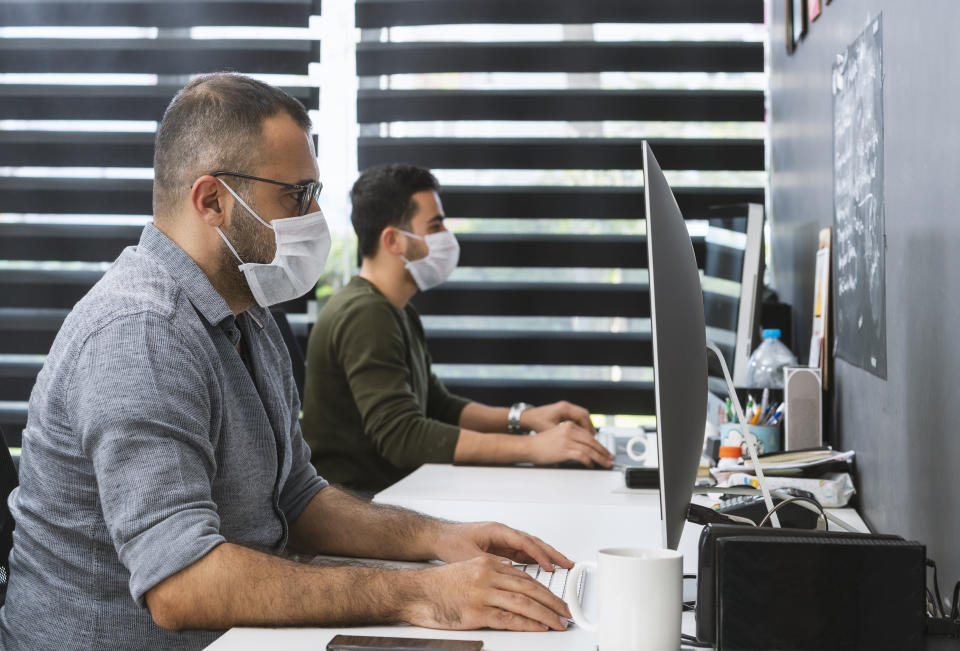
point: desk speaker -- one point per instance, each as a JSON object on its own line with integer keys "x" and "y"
{"x": 803, "y": 400}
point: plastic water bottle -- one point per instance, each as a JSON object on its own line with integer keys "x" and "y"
{"x": 765, "y": 368}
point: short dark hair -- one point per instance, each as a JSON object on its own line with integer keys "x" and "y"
{"x": 383, "y": 196}
{"x": 214, "y": 123}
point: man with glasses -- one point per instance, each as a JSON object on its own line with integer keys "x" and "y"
{"x": 164, "y": 477}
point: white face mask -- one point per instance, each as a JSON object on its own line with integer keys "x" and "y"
{"x": 303, "y": 244}
{"x": 443, "y": 253}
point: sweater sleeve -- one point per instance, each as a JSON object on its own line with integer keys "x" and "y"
{"x": 441, "y": 404}
{"x": 369, "y": 346}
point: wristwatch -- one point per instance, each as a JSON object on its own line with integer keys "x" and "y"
{"x": 513, "y": 418}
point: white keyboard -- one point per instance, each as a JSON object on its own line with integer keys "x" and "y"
{"x": 555, "y": 581}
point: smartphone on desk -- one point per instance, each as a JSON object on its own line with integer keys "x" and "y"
{"x": 381, "y": 643}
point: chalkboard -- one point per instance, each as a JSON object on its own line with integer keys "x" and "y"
{"x": 860, "y": 240}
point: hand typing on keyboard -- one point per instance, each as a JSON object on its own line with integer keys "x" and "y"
{"x": 480, "y": 587}
{"x": 483, "y": 592}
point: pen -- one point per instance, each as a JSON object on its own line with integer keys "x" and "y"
{"x": 775, "y": 419}
{"x": 765, "y": 401}
{"x": 771, "y": 410}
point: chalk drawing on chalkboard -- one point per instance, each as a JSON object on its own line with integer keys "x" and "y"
{"x": 859, "y": 216}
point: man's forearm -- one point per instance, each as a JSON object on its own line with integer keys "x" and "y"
{"x": 482, "y": 418}
{"x": 473, "y": 447}
{"x": 335, "y": 522}
{"x": 237, "y": 586}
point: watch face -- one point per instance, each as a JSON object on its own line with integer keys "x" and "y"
{"x": 513, "y": 416}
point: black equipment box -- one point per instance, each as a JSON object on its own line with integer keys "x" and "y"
{"x": 760, "y": 588}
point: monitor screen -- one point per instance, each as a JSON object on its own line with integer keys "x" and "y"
{"x": 732, "y": 282}
{"x": 678, "y": 332}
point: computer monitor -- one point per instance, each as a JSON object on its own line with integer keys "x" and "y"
{"x": 679, "y": 348}
{"x": 733, "y": 283}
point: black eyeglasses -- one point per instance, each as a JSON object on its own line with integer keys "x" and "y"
{"x": 307, "y": 193}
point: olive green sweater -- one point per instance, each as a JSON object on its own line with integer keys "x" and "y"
{"x": 373, "y": 411}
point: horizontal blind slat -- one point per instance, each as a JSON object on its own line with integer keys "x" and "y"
{"x": 539, "y": 347}
{"x": 510, "y": 250}
{"x": 583, "y": 105}
{"x": 65, "y": 102}
{"x": 535, "y": 299}
{"x": 166, "y": 56}
{"x": 375, "y": 58}
{"x": 146, "y": 13}
{"x": 76, "y": 149}
{"x": 387, "y": 13}
{"x": 582, "y": 202}
{"x": 563, "y": 153}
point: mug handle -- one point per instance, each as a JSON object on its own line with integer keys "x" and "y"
{"x": 642, "y": 440}
{"x": 575, "y": 610}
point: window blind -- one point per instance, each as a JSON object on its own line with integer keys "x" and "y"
{"x": 532, "y": 115}
{"x": 82, "y": 88}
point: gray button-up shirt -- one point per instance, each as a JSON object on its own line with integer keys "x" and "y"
{"x": 148, "y": 444}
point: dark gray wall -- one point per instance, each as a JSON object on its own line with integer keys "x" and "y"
{"x": 906, "y": 429}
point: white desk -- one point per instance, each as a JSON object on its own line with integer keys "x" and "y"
{"x": 515, "y": 484}
{"x": 527, "y": 485}
{"x": 577, "y": 511}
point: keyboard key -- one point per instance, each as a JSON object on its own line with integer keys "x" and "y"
{"x": 559, "y": 583}
{"x": 544, "y": 577}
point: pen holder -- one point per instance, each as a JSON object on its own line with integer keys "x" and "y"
{"x": 768, "y": 435}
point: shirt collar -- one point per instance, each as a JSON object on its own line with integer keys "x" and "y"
{"x": 191, "y": 278}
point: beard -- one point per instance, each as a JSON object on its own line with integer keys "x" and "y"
{"x": 247, "y": 235}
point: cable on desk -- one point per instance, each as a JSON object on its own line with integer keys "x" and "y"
{"x": 938, "y": 602}
{"x": 933, "y": 609}
{"x": 937, "y": 622}
{"x": 699, "y": 514}
{"x": 955, "y": 607}
{"x": 797, "y": 498}
{"x": 694, "y": 642}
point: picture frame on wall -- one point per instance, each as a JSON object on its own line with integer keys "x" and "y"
{"x": 814, "y": 8}
{"x": 788, "y": 21}
{"x": 799, "y": 20}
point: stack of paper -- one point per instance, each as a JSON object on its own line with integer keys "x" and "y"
{"x": 798, "y": 462}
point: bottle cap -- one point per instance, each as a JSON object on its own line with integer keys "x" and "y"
{"x": 770, "y": 333}
{"x": 730, "y": 451}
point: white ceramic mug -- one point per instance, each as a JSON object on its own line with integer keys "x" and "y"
{"x": 639, "y": 598}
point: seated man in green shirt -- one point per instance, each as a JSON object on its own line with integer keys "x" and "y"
{"x": 373, "y": 411}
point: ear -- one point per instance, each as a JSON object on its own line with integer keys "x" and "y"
{"x": 208, "y": 198}
{"x": 390, "y": 240}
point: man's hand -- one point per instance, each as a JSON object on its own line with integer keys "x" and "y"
{"x": 567, "y": 442}
{"x": 485, "y": 592}
{"x": 542, "y": 418}
{"x": 461, "y": 541}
